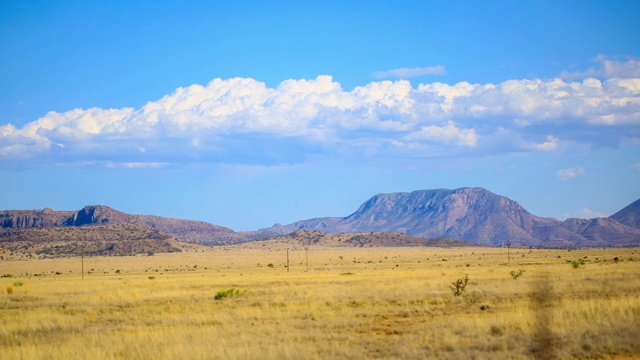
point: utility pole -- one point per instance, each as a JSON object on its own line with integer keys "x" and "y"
{"x": 306, "y": 256}
{"x": 508, "y": 252}
{"x": 287, "y": 259}
{"x": 82, "y": 266}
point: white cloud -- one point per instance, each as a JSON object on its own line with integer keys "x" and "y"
{"x": 405, "y": 73}
{"x": 447, "y": 134}
{"x": 242, "y": 120}
{"x": 551, "y": 144}
{"x": 570, "y": 173}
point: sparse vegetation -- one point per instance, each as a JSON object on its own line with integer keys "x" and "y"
{"x": 380, "y": 311}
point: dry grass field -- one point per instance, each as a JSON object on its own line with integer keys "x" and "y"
{"x": 344, "y": 303}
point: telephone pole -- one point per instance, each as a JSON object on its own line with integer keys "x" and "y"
{"x": 306, "y": 256}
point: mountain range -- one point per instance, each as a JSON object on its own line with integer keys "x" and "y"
{"x": 475, "y": 215}
{"x": 478, "y": 216}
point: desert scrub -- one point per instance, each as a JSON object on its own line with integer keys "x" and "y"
{"x": 221, "y": 294}
{"x": 515, "y": 274}
{"x": 459, "y": 286}
{"x": 577, "y": 263}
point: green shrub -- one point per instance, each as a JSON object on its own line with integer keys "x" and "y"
{"x": 18, "y": 283}
{"x": 221, "y": 294}
{"x": 152, "y": 277}
{"x": 576, "y": 263}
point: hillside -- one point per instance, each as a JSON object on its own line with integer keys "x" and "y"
{"x": 121, "y": 239}
{"x": 471, "y": 214}
{"x": 304, "y": 238}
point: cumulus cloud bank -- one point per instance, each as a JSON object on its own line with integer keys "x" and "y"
{"x": 241, "y": 120}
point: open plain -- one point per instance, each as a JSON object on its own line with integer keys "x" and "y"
{"x": 243, "y": 302}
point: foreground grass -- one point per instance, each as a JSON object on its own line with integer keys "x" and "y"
{"x": 351, "y": 303}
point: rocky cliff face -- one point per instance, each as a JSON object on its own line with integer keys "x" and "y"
{"x": 19, "y": 219}
{"x": 471, "y": 214}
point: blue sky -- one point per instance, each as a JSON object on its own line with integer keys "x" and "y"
{"x": 250, "y": 113}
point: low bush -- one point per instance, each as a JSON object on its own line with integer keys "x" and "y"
{"x": 577, "y": 263}
{"x": 221, "y": 294}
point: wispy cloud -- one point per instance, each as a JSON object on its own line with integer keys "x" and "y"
{"x": 241, "y": 120}
{"x": 570, "y": 173}
{"x": 586, "y": 214}
{"x": 405, "y": 73}
{"x": 608, "y": 68}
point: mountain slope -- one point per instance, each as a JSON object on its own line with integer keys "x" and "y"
{"x": 471, "y": 214}
{"x": 629, "y": 216}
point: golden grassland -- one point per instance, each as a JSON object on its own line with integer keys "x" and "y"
{"x": 347, "y": 303}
